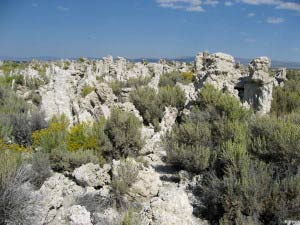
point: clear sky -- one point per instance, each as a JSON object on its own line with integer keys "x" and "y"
{"x": 150, "y": 28}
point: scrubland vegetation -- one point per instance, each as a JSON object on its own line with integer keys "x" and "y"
{"x": 249, "y": 164}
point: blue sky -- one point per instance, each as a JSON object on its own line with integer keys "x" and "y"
{"x": 150, "y": 28}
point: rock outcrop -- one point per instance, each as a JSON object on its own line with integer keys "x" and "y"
{"x": 91, "y": 175}
{"x": 258, "y": 87}
{"x": 253, "y": 88}
{"x": 171, "y": 206}
{"x": 218, "y": 70}
{"x": 78, "y": 215}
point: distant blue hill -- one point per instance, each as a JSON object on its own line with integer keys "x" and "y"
{"x": 244, "y": 61}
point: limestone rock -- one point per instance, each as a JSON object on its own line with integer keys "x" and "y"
{"x": 258, "y": 87}
{"x": 78, "y": 215}
{"x": 218, "y": 70}
{"x": 189, "y": 91}
{"x": 91, "y": 175}
{"x": 57, "y": 193}
{"x": 170, "y": 207}
{"x": 147, "y": 184}
{"x": 154, "y": 143}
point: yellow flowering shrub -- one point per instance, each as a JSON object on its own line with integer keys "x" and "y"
{"x": 52, "y": 136}
{"x": 188, "y": 76}
{"x": 12, "y": 147}
{"x": 81, "y": 136}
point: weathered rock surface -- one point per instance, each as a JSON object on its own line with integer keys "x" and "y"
{"x": 57, "y": 193}
{"x": 147, "y": 184}
{"x": 253, "y": 89}
{"x": 258, "y": 87}
{"x": 91, "y": 175}
{"x": 170, "y": 207}
{"x": 78, "y": 215}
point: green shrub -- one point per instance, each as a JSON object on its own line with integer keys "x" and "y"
{"x": 188, "y": 145}
{"x": 87, "y": 90}
{"x": 152, "y": 106}
{"x": 240, "y": 194}
{"x": 10, "y": 66}
{"x": 53, "y": 136}
{"x": 145, "y": 100}
{"x": 286, "y": 99}
{"x": 80, "y": 136}
{"x": 225, "y": 105}
{"x": 117, "y": 87}
{"x": 62, "y": 160}
{"x": 7, "y": 80}
{"x": 276, "y": 141}
{"x": 17, "y": 118}
{"x": 41, "y": 168}
{"x": 123, "y": 130}
{"x": 17, "y": 201}
{"x": 137, "y": 82}
{"x": 171, "y": 96}
{"x": 170, "y": 79}
{"x": 131, "y": 217}
{"x": 188, "y": 76}
{"x": 125, "y": 176}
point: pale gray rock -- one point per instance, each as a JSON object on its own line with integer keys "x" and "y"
{"x": 219, "y": 70}
{"x": 78, "y": 215}
{"x": 147, "y": 184}
{"x": 280, "y": 77}
{"x": 153, "y": 144}
{"x": 57, "y": 195}
{"x": 91, "y": 175}
{"x": 189, "y": 90}
{"x": 258, "y": 87}
{"x": 170, "y": 207}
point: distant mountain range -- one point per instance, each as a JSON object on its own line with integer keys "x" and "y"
{"x": 244, "y": 61}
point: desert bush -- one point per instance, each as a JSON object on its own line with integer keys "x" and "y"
{"x": 188, "y": 76}
{"x": 226, "y": 130}
{"x": 41, "y": 168}
{"x": 136, "y": 82}
{"x": 117, "y": 87}
{"x": 64, "y": 160}
{"x": 125, "y": 176}
{"x": 171, "y": 96}
{"x": 104, "y": 145}
{"x": 80, "y": 136}
{"x": 286, "y": 99}
{"x": 227, "y": 106}
{"x": 276, "y": 141}
{"x": 123, "y": 130}
{"x": 170, "y": 79}
{"x": 188, "y": 145}
{"x": 131, "y": 217}
{"x": 86, "y": 136}
{"x": 21, "y": 129}
{"x": 239, "y": 194}
{"x": 145, "y": 100}
{"x": 87, "y": 90}
{"x": 17, "y": 118}
{"x": 53, "y": 136}
{"x": 10, "y": 66}
{"x": 16, "y": 201}
{"x": 23, "y": 125}
{"x": 152, "y": 105}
